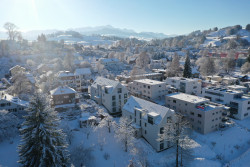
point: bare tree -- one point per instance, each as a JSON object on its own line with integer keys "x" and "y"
{"x": 206, "y": 66}
{"x": 124, "y": 132}
{"x": 143, "y": 60}
{"x": 11, "y": 30}
{"x": 174, "y": 67}
{"x": 176, "y": 131}
{"x": 229, "y": 62}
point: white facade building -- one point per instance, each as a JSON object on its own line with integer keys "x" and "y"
{"x": 148, "y": 89}
{"x": 112, "y": 94}
{"x": 203, "y": 115}
{"x": 149, "y": 120}
{"x": 238, "y": 102}
{"x": 185, "y": 85}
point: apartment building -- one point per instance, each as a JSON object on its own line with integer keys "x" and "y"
{"x": 153, "y": 76}
{"x": 148, "y": 89}
{"x": 111, "y": 94}
{"x": 185, "y": 85}
{"x": 203, "y": 115}
{"x": 66, "y": 78}
{"x": 82, "y": 75}
{"x": 149, "y": 120}
{"x": 238, "y": 102}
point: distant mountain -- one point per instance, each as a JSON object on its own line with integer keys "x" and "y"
{"x": 99, "y": 30}
{"x": 124, "y": 33}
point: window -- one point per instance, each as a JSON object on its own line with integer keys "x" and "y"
{"x": 125, "y": 95}
{"x": 248, "y": 102}
{"x": 119, "y": 96}
{"x": 192, "y": 113}
{"x": 113, "y": 103}
{"x": 135, "y": 113}
{"x": 113, "y": 97}
{"x": 140, "y": 115}
{"x": 246, "y": 114}
{"x": 114, "y": 109}
{"x": 125, "y": 101}
{"x": 169, "y": 119}
{"x": 150, "y": 120}
{"x": 148, "y": 87}
{"x": 145, "y": 132}
{"x": 119, "y": 90}
{"x": 145, "y": 124}
{"x": 174, "y": 101}
{"x": 144, "y": 86}
{"x": 159, "y": 85}
{"x": 161, "y": 130}
{"x": 135, "y": 119}
{"x": 130, "y": 116}
{"x": 199, "y": 115}
{"x": 161, "y": 146}
{"x": 248, "y": 108}
{"x": 199, "y": 121}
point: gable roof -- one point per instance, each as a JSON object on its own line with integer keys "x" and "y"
{"x": 104, "y": 82}
{"x": 82, "y": 71}
{"x": 151, "y": 108}
{"x": 62, "y": 90}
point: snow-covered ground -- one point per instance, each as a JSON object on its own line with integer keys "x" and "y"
{"x": 229, "y": 147}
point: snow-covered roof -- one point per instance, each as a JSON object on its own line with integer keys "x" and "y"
{"x": 109, "y": 60}
{"x": 16, "y": 66}
{"x": 104, "y": 82}
{"x": 30, "y": 78}
{"x": 83, "y": 71}
{"x": 13, "y": 99}
{"x": 62, "y": 90}
{"x": 188, "y": 98}
{"x": 149, "y": 81}
{"x": 64, "y": 74}
{"x": 150, "y": 108}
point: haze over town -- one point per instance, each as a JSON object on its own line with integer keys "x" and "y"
{"x": 125, "y": 83}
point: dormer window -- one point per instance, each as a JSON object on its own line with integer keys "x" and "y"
{"x": 150, "y": 120}
{"x": 119, "y": 90}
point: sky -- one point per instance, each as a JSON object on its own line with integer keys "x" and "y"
{"x": 165, "y": 16}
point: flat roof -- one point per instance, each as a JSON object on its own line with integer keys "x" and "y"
{"x": 188, "y": 98}
{"x": 149, "y": 81}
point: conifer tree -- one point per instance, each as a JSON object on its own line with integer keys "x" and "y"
{"x": 43, "y": 143}
{"x": 187, "y": 73}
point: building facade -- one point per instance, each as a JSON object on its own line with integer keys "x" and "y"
{"x": 238, "y": 102}
{"x": 203, "y": 115}
{"x": 148, "y": 89}
{"x": 111, "y": 94}
{"x": 149, "y": 120}
{"x": 185, "y": 85}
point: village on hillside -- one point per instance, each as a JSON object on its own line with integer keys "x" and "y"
{"x": 182, "y": 100}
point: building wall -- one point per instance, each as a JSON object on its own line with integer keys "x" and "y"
{"x": 227, "y": 98}
{"x": 63, "y": 99}
{"x": 201, "y": 121}
{"x": 149, "y": 131}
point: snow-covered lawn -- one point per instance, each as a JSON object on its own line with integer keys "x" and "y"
{"x": 212, "y": 150}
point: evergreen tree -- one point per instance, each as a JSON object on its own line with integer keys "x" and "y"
{"x": 43, "y": 142}
{"x": 187, "y": 73}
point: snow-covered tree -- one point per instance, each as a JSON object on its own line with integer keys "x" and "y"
{"x": 137, "y": 71}
{"x": 187, "y": 73}
{"x": 206, "y": 66}
{"x": 229, "y": 62}
{"x": 176, "y": 130}
{"x": 107, "y": 123}
{"x": 43, "y": 142}
{"x": 143, "y": 60}
{"x": 174, "y": 67}
{"x": 68, "y": 62}
{"x": 245, "y": 68}
{"x": 124, "y": 132}
{"x": 8, "y": 125}
{"x": 85, "y": 64}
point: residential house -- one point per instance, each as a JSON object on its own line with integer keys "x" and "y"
{"x": 16, "y": 69}
{"x": 149, "y": 120}
{"x": 63, "y": 97}
{"x": 112, "y": 94}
